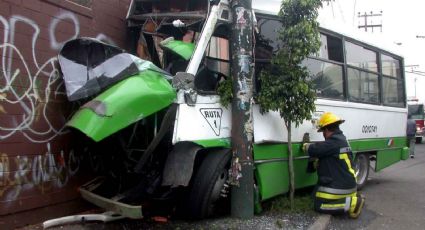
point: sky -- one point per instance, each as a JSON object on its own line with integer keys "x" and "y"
{"x": 402, "y": 22}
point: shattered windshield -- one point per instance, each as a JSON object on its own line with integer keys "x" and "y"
{"x": 89, "y": 66}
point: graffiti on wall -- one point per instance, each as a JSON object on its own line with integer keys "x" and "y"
{"x": 43, "y": 172}
{"x": 33, "y": 104}
{"x": 32, "y": 89}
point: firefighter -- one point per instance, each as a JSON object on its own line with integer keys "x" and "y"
{"x": 336, "y": 190}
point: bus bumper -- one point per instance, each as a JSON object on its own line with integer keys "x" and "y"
{"x": 109, "y": 204}
{"x": 405, "y": 153}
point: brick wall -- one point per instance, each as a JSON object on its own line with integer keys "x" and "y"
{"x": 38, "y": 164}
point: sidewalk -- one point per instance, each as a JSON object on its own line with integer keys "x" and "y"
{"x": 263, "y": 221}
{"x": 17, "y": 220}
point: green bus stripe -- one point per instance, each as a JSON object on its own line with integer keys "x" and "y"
{"x": 271, "y": 162}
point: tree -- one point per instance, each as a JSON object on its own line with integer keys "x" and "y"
{"x": 285, "y": 86}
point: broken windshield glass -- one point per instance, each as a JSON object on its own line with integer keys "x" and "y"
{"x": 89, "y": 66}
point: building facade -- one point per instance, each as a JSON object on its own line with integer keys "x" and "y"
{"x": 39, "y": 164}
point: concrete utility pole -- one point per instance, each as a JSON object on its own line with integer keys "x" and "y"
{"x": 371, "y": 25}
{"x": 242, "y": 169}
{"x": 415, "y": 85}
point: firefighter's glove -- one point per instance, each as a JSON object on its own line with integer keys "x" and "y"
{"x": 312, "y": 165}
{"x": 305, "y": 147}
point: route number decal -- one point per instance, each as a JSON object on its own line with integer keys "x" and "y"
{"x": 213, "y": 117}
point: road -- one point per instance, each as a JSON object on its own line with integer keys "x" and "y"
{"x": 395, "y": 198}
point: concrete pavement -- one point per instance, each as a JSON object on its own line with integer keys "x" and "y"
{"x": 395, "y": 198}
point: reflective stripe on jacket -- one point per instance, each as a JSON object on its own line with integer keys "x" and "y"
{"x": 336, "y": 169}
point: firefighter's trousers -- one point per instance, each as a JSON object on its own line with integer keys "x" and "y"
{"x": 336, "y": 201}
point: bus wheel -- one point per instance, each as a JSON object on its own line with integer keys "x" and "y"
{"x": 210, "y": 192}
{"x": 361, "y": 162}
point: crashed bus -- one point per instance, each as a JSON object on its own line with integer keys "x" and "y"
{"x": 160, "y": 137}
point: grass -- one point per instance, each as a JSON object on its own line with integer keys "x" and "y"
{"x": 303, "y": 203}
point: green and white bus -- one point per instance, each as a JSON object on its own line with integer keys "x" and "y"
{"x": 185, "y": 131}
{"x": 358, "y": 81}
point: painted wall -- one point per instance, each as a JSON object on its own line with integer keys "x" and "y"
{"x": 38, "y": 164}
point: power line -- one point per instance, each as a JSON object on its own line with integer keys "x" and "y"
{"x": 354, "y": 10}
{"x": 420, "y": 73}
{"x": 417, "y": 71}
{"x": 341, "y": 11}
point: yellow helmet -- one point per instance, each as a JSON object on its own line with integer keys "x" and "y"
{"x": 327, "y": 119}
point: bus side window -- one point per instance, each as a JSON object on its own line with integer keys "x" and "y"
{"x": 326, "y": 68}
{"x": 363, "y": 86}
{"x": 392, "y": 81}
{"x": 327, "y": 78}
{"x": 266, "y": 45}
{"x": 215, "y": 66}
{"x": 362, "y": 73}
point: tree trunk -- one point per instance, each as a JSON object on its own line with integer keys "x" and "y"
{"x": 291, "y": 166}
{"x": 242, "y": 169}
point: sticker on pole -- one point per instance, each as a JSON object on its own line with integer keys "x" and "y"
{"x": 213, "y": 117}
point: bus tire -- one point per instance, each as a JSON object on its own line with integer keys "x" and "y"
{"x": 361, "y": 169}
{"x": 209, "y": 194}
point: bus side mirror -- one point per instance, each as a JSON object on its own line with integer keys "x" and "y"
{"x": 183, "y": 80}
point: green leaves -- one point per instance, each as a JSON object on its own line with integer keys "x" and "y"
{"x": 225, "y": 91}
{"x": 293, "y": 11}
{"x": 285, "y": 86}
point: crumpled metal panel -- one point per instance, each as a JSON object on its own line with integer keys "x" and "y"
{"x": 181, "y": 48}
{"x": 97, "y": 106}
{"x": 89, "y": 193}
{"x": 124, "y": 103}
{"x": 89, "y": 66}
